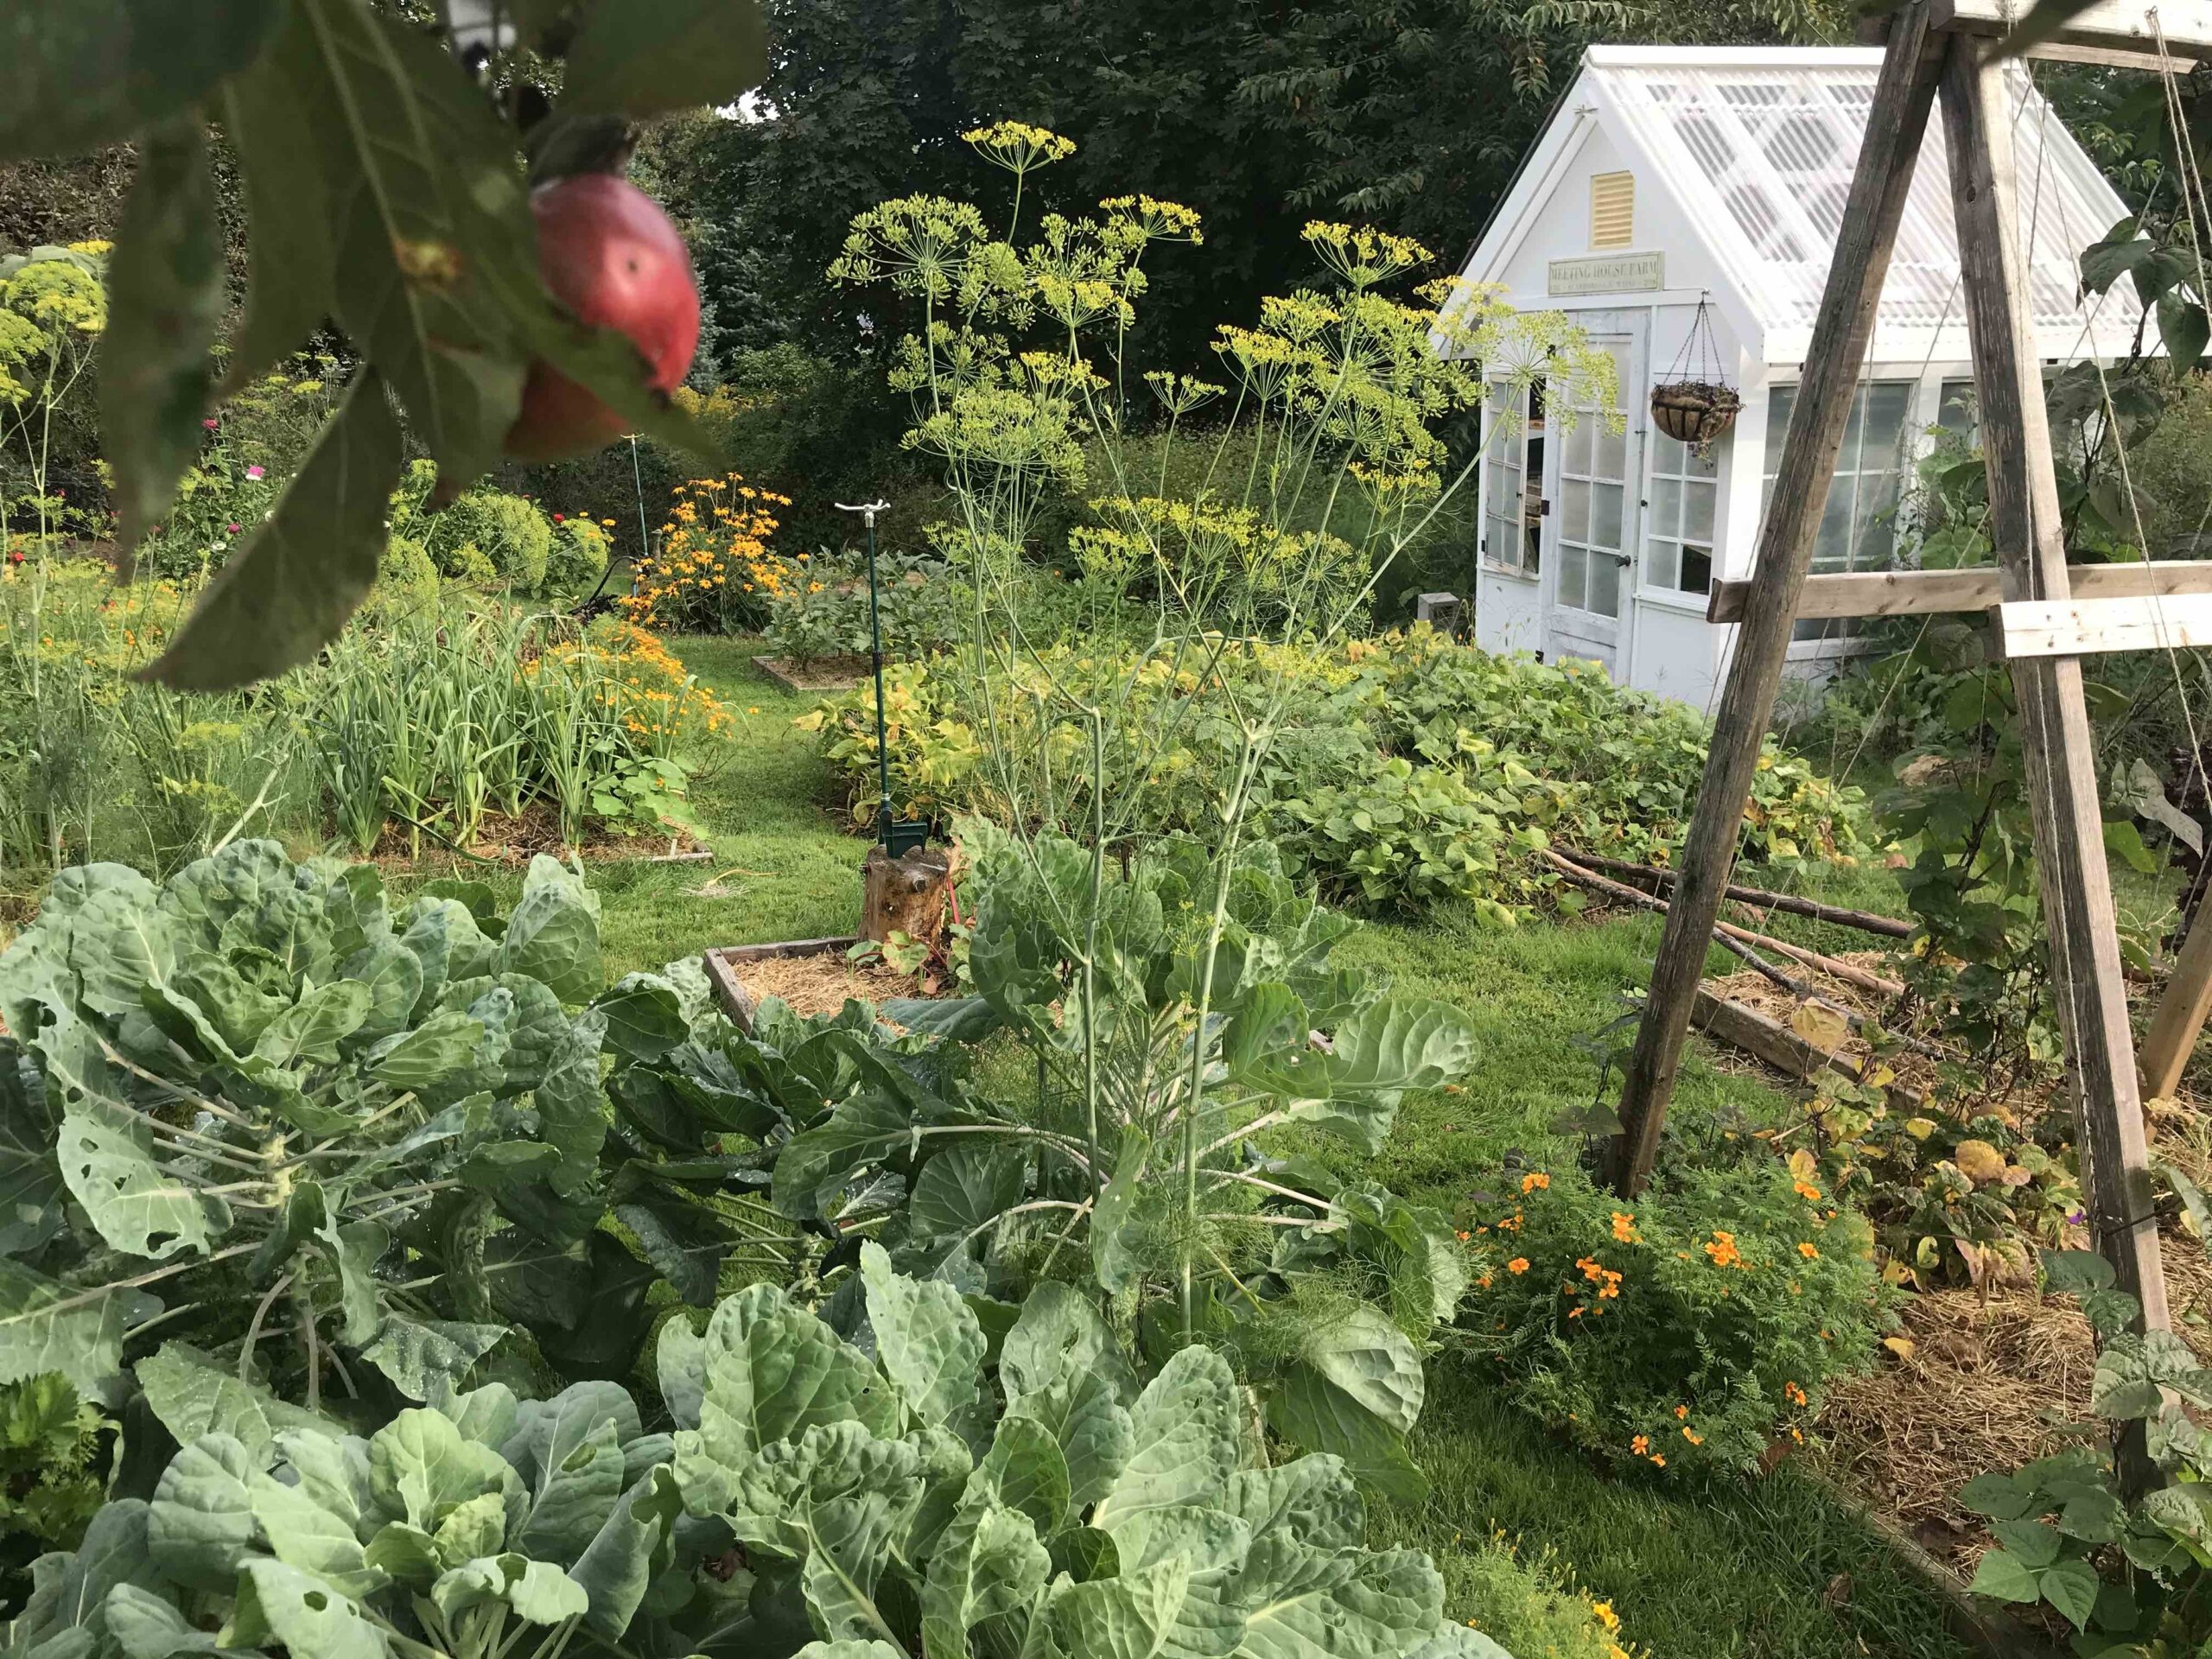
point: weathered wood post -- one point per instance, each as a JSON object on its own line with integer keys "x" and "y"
{"x": 1895, "y": 123}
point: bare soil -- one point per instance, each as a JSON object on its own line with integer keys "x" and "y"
{"x": 506, "y": 840}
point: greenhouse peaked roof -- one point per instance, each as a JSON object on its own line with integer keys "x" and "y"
{"x": 1759, "y": 144}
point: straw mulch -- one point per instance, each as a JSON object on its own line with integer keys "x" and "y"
{"x": 821, "y": 983}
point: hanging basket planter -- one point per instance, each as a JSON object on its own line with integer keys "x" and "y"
{"x": 1694, "y": 412}
{"x": 1693, "y": 405}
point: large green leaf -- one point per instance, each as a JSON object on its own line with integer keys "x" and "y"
{"x": 1382, "y": 1050}
{"x": 304, "y": 1532}
{"x": 301, "y": 1611}
{"x": 192, "y": 1395}
{"x": 1113, "y": 1255}
{"x": 1187, "y": 1438}
{"x": 572, "y": 1491}
{"x": 989, "y": 1562}
{"x": 1309, "y": 1410}
{"x": 644, "y": 1019}
{"x": 632, "y": 1545}
{"x": 1350, "y": 1603}
{"x": 1086, "y": 1418}
{"x": 286, "y": 594}
{"x": 310, "y": 1031}
{"x": 816, "y": 1166}
{"x": 422, "y": 1356}
{"x": 647, "y": 57}
{"x": 1060, "y": 1334}
{"x": 165, "y": 303}
{"x": 1133, "y": 1616}
{"x": 1026, "y": 1470}
{"x": 77, "y": 75}
{"x": 137, "y": 1204}
{"x": 46, "y": 1326}
{"x": 927, "y": 1341}
{"x": 290, "y": 289}
{"x": 773, "y": 1372}
{"x": 553, "y": 935}
{"x": 201, "y": 1526}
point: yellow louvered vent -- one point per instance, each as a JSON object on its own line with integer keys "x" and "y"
{"x": 1612, "y": 209}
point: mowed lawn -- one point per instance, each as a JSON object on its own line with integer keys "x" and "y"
{"x": 1775, "y": 1569}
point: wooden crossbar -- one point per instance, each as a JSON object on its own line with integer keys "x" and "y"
{"x": 1920, "y": 593}
{"x": 2112, "y": 32}
{"x": 2077, "y": 626}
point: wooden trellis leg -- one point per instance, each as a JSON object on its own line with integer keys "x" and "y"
{"x": 1895, "y": 123}
{"x": 2181, "y": 1012}
{"x": 2027, "y": 533}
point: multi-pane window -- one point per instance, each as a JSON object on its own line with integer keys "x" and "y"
{"x": 1678, "y": 520}
{"x": 1858, "y": 531}
{"x": 1593, "y": 502}
{"x": 1959, "y": 412}
{"x": 1512, "y": 505}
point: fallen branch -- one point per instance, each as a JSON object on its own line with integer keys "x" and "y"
{"x": 1724, "y": 932}
{"x": 1865, "y": 921}
{"x": 1738, "y": 941}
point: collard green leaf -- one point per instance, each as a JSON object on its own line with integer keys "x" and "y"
{"x": 200, "y": 1525}
{"x": 1373, "y": 1362}
{"x": 1382, "y": 1050}
{"x": 572, "y": 1491}
{"x": 989, "y": 1562}
{"x": 46, "y": 1326}
{"x": 423, "y": 1356}
{"x": 285, "y": 593}
{"x": 90, "y": 72}
{"x": 1024, "y": 1469}
{"x": 647, "y": 57}
{"x": 553, "y": 935}
{"x": 773, "y": 1371}
{"x": 1091, "y": 1428}
{"x": 310, "y": 1032}
{"x": 1129, "y": 1616}
{"x": 1308, "y": 1410}
{"x": 113, "y": 1554}
{"x": 960, "y": 1192}
{"x": 685, "y": 1241}
{"x": 1187, "y": 1440}
{"x": 817, "y": 1165}
{"x": 303, "y": 1534}
{"x": 145, "y": 1626}
{"x": 1059, "y": 1334}
{"x": 194, "y": 1395}
{"x": 137, "y": 1204}
{"x": 644, "y": 1019}
{"x": 621, "y": 1560}
{"x": 283, "y": 1603}
{"x": 680, "y": 1366}
{"x": 165, "y": 302}
{"x": 928, "y": 1342}
{"x": 1319, "y": 1605}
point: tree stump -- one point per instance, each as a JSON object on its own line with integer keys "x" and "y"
{"x": 905, "y": 895}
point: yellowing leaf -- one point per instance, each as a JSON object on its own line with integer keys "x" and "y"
{"x": 1920, "y": 1128}
{"x": 1901, "y": 1346}
{"x": 1979, "y": 1162}
{"x": 1803, "y": 1165}
{"x": 1819, "y": 1025}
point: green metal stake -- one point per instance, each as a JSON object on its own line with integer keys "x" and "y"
{"x": 898, "y": 837}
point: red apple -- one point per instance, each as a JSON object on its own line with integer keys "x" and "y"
{"x": 612, "y": 257}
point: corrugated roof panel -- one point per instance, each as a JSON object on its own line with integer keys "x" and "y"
{"x": 1771, "y": 144}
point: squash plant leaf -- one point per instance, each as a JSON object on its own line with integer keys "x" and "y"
{"x": 286, "y": 594}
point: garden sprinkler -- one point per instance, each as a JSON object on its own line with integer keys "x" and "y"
{"x": 900, "y": 835}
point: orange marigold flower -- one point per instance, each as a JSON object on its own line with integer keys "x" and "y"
{"x": 1792, "y": 1393}
{"x": 1624, "y": 1227}
{"x": 1808, "y": 1192}
{"x": 1658, "y": 1461}
{"x": 1692, "y": 1435}
{"x": 1534, "y": 1181}
{"x": 1806, "y": 1249}
{"x": 1518, "y": 1264}
{"x": 1640, "y": 1445}
{"x": 1681, "y": 1411}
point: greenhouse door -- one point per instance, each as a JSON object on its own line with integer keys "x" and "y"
{"x": 1592, "y": 525}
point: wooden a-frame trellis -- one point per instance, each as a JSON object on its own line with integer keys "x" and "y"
{"x": 1944, "y": 49}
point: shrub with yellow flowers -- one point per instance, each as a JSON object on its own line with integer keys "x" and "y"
{"x": 712, "y": 570}
{"x": 1695, "y": 1326}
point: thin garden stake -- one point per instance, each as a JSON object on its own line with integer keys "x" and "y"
{"x": 883, "y": 825}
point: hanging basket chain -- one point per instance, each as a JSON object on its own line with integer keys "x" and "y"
{"x": 1694, "y": 404}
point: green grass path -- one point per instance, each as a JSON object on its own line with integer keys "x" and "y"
{"x": 1778, "y": 1569}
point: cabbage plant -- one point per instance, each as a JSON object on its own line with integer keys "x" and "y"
{"x": 258, "y": 1107}
{"x": 906, "y": 1488}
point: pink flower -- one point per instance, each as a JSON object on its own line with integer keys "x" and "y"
{"x": 209, "y": 422}
{"x": 233, "y": 527}
{"x": 560, "y": 517}
{"x": 253, "y": 471}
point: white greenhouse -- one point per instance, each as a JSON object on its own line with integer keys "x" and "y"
{"x": 1671, "y": 175}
